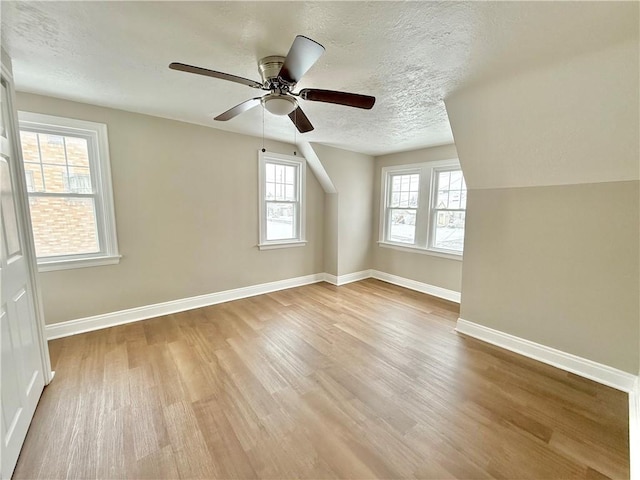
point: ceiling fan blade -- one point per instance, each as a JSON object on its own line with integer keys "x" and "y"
{"x": 340, "y": 98}
{"x": 303, "y": 53}
{"x": 238, "y": 109}
{"x": 212, "y": 73}
{"x": 300, "y": 120}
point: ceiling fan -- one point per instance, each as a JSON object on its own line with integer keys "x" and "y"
{"x": 279, "y": 77}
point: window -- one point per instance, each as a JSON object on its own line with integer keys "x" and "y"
{"x": 423, "y": 207}
{"x": 448, "y": 210}
{"x": 281, "y": 196}
{"x": 403, "y": 207}
{"x": 68, "y": 180}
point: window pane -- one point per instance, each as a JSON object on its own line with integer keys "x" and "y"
{"x": 455, "y": 180}
{"x": 52, "y": 149}
{"x": 77, "y": 151}
{"x": 34, "y": 174}
{"x": 270, "y": 170}
{"x": 283, "y": 180}
{"x": 404, "y": 190}
{"x": 280, "y": 221}
{"x": 290, "y": 173}
{"x": 443, "y": 180}
{"x": 449, "y": 230}
{"x": 64, "y": 226}
{"x": 30, "y": 152}
{"x": 79, "y": 180}
{"x": 56, "y": 163}
{"x": 290, "y": 193}
{"x": 271, "y": 191}
{"x": 451, "y": 190}
{"x": 454, "y": 199}
{"x": 443, "y": 199}
{"x": 402, "y": 226}
{"x": 55, "y": 178}
{"x": 415, "y": 181}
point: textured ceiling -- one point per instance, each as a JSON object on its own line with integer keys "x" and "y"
{"x": 409, "y": 55}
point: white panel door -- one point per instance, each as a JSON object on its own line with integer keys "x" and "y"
{"x": 22, "y": 373}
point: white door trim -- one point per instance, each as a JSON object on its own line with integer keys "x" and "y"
{"x": 25, "y": 223}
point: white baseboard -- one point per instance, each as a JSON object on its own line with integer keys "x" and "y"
{"x": 634, "y": 430}
{"x": 347, "y": 278}
{"x": 598, "y": 372}
{"x": 330, "y": 278}
{"x": 97, "y": 322}
{"x": 354, "y": 277}
{"x": 433, "y": 290}
{"x": 88, "y": 324}
{"x": 439, "y": 292}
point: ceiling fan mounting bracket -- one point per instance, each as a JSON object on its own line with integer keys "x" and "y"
{"x": 269, "y": 68}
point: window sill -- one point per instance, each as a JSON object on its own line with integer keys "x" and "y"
{"x": 423, "y": 251}
{"x": 273, "y": 246}
{"x": 78, "y": 263}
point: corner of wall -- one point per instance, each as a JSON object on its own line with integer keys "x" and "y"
{"x": 348, "y": 212}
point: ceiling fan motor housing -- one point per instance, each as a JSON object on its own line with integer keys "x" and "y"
{"x": 269, "y": 68}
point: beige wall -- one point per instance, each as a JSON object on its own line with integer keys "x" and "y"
{"x": 352, "y": 175}
{"x": 438, "y": 271}
{"x": 550, "y": 157}
{"x": 557, "y": 265}
{"x": 331, "y": 233}
{"x": 175, "y": 186}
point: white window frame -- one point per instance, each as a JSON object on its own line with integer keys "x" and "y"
{"x": 100, "y": 170}
{"x": 425, "y": 223}
{"x": 300, "y": 164}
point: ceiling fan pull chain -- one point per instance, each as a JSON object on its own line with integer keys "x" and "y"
{"x": 263, "y": 150}
{"x": 295, "y": 131}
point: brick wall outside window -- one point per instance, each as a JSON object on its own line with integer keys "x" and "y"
{"x": 60, "y": 225}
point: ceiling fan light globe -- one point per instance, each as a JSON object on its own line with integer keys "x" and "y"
{"x": 280, "y": 104}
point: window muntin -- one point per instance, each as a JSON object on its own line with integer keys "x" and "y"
{"x": 69, "y": 190}
{"x": 281, "y": 194}
{"x": 424, "y": 207}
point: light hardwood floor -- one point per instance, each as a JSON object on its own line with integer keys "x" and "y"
{"x": 366, "y": 380}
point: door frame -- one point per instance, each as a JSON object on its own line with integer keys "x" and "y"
{"x": 24, "y": 217}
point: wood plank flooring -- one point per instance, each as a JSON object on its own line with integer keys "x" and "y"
{"x": 366, "y": 380}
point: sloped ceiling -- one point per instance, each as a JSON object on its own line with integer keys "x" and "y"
{"x": 410, "y": 55}
{"x": 572, "y": 122}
